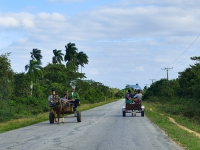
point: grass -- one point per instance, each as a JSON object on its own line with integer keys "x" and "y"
{"x": 23, "y": 122}
{"x": 187, "y": 140}
{"x": 189, "y": 123}
{"x": 26, "y": 121}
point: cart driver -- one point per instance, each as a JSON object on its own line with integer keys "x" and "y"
{"x": 138, "y": 97}
{"x": 50, "y": 98}
{"x": 74, "y": 97}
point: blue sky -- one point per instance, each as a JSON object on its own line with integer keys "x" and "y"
{"x": 127, "y": 41}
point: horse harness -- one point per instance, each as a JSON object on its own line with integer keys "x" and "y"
{"x": 56, "y": 101}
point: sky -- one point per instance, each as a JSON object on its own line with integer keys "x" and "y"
{"x": 126, "y": 41}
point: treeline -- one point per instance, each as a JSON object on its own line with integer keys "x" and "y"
{"x": 26, "y": 93}
{"x": 180, "y": 96}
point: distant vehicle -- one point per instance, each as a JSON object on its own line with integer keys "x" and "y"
{"x": 133, "y": 106}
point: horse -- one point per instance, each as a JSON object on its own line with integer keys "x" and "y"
{"x": 62, "y": 111}
{"x": 58, "y": 108}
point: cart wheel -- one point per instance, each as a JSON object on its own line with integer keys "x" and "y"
{"x": 124, "y": 113}
{"x": 78, "y": 116}
{"x": 142, "y": 113}
{"x": 51, "y": 117}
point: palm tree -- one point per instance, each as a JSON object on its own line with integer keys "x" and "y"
{"x": 36, "y": 54}
{"x": 34, "y": 69}
{"x": 58, "y": 56}
{"x": 71, "y": 54}
{"x": 82, "y": 59}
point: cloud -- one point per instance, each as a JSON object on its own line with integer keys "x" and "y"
{"x": 16, "y": 20}
{"x": 51, "y": 17}
{"x": 126, "y": 41}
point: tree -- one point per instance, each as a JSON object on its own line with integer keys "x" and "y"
{"x": 34, "y": 71}
{"x": 55, "y": 73}
{"x": 71, "y": 55}
{"x": 197, "y": 58}
{"x": 21, "y": 84}
{"x": 58, "y": 56}
{"x": 82, "y": 59}
{"x": 145, "y": 88}
{"x": 36, "y": 54}
{"x": 6, "y": 77}
{"x": 119, "y": 94}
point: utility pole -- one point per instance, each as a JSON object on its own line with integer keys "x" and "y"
{"x": 152, "y": 80}
{"x": 167, "y": 71}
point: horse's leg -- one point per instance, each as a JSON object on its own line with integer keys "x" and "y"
{"x": 63, "y": 114}
{"x": 58, "y": 114}
{"x": 55, "y": 115}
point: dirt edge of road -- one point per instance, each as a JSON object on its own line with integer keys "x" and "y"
{"x": 184, "y": 128}
{"x": 180, "y": 126}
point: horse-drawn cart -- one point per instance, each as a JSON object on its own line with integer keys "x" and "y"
{"x": 68, "y": 108}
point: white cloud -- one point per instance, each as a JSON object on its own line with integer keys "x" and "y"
{"x": 127, "y": 42}
{"x": 9, "y": 22}
{"x": 51, "y": 17}
{"x": 17, "y": 20}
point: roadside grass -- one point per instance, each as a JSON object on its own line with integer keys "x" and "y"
{"x": 189, "y": 123}
{"x": 23, "y": 122}
{"x": 26, "y": 121}
{"x": 187, "y": 140}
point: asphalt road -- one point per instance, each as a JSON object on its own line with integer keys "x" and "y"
{"x": 102, "y": 128}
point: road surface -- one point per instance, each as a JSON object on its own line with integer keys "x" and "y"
{"x": 102, "y": 128}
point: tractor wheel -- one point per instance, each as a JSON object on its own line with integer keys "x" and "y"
{"x": 78, "y": 116}
{"x": 142, "y": 113}
{"x": 124, "y": 113}
{"x": 51, "y": 117}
